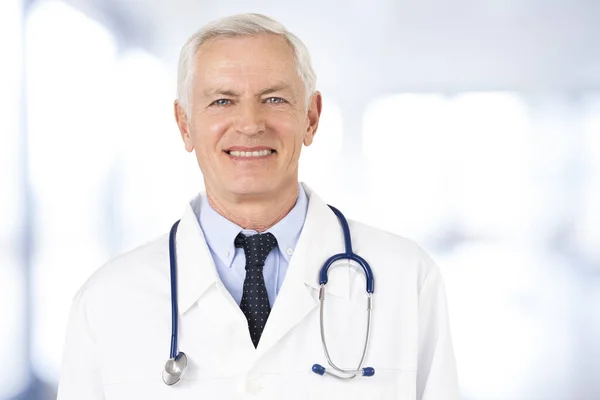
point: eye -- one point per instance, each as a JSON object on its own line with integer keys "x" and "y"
{"x": 275, "y": 100}
{"x": 221, "y": 102}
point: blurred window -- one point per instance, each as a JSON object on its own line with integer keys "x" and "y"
{"x": 71, "y": 61}
{"x": 13, "y": 344}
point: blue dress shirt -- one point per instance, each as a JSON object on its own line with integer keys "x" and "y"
{"x": 231, "y": 261}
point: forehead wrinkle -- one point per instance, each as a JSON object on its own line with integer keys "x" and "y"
{"x": 236, "y": 71}
{"x": 230, "y": 64}
{"x": 231, "y": 68}
{"x": 236, "y": 88}
{"x": 224, "y": 72}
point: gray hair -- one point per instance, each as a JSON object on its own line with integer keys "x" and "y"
{"x": 240, "y": 25}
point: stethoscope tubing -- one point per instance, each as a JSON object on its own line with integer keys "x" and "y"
{"x": 174, "y": 297}
{"x": 352, "y": 372}
{"x": 348, "y": 254}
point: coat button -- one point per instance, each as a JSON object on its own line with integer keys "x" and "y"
{"x": 290, "y": 251}
{"x": 253, "y": 386}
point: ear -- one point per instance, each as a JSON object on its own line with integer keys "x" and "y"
{"x": 184, "y": 127}
{"x": 314, "y": 114}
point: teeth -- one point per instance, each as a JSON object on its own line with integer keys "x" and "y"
{"x": 250, "y": 153}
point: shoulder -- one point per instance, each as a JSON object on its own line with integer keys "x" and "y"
{"x": 392, "y": 250}
{"x": 117, "y": 276}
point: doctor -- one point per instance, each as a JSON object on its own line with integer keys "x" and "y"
{"x": 246, "y": 105}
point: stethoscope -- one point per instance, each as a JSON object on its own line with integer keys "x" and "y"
{"x": 177, "y": 364}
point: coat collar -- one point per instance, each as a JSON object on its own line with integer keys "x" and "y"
{"x": 321, "y": 237}
{"x": 196, "y": 270}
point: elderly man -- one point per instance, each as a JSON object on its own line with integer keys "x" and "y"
{"x": 236, "y": 286}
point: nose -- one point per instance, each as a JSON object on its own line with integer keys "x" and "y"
{"x": 250, "y": 120}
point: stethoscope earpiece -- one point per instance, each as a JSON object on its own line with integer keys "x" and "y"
{"x": 321, "y": 370}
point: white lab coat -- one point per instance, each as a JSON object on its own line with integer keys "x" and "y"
{"x": 119, "y": 329}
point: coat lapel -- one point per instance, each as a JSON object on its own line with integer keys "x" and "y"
{"x": 321, "y": 237}
{"x": 196, "y": 270}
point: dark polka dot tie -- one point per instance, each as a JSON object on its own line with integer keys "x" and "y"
{"x": 255, "y": 302}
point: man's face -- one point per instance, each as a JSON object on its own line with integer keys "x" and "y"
{"x": 248, "y": 117}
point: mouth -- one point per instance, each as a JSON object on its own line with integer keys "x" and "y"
{"x": 250, "y": 153}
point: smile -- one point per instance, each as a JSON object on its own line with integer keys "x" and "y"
{"x": 242, "y": 153}
{"x": 260, "y": 153}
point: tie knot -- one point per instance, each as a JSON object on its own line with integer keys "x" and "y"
{"x": 256, "y": 247}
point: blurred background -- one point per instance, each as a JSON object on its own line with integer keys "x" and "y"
{"x": 472, "y": 128}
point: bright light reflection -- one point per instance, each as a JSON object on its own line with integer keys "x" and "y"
{"x": 587, "y": 230}
{"x": 12, "y": 317}
{"x": 156, "y": 174}
{"x": 13, "y": 369}
{"x": 320, "y": 160}
{"x": 70, "y": 67}
{"x": 508, "y": 311}
{"x": 405, "y": 142}
{"x": 490, "y": 185}
{"x": 10, "y": 84}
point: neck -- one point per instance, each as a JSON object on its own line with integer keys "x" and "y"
{"x": 257, "y": 214}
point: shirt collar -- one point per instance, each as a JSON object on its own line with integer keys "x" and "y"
{"x": 220, "y": 232}
{"x": 287, "y": 231}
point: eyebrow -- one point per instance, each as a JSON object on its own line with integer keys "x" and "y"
{"x": 280, "y": 87}
{"x": 231, "y": 93}
{"x": 220, "y": 92}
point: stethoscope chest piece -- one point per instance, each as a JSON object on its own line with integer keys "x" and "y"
{"x": 174, "y": 369}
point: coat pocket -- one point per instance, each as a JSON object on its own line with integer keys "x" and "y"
{"x": 385, "y": 384}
